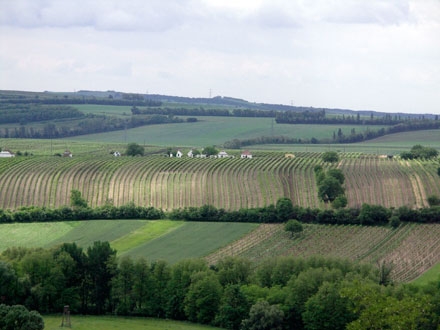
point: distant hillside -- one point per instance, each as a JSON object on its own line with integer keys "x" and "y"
{"x": 87, "y": 95}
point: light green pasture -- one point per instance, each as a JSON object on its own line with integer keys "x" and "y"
{"x": 191, "y": 240}
{"x": 81, "y": 322}
{"x": 432, "y": 275}
{"x": 217, "y": 130}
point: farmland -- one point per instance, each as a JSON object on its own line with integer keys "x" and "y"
{"x": 411, "y": 249}
{"x": 155, "y": 240}
{"x": 172, "y": 183}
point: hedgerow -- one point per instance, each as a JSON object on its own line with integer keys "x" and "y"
{"x": 365, "y": 215}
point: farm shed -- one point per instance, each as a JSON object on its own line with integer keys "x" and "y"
{"x": 222, "y": 154}
{"x": 289, "y": 156}
{"x": 6, "y": 154}
{"x": 246, "y": 154}
{"x": 67, "y": 153}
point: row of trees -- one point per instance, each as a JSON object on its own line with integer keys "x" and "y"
{"x": 201, "y": 111}
{"x": 127, "y": 99}
{"x": 279, "y": 293}
{"x": 339, "y": 137}
{"x": 25, "y": 113}
{"x": 283, "y": 211}
{"x": 419, "y": 152}
{"x": 85, "y": 125}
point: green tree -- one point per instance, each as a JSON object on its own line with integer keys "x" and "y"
{"x": 284, "y": 208}
{"x": 373, "y": 214}
{"x": 263, "y": 316}
{"x": 327, "y": 309}
{"x": 134, "y": 149}
{"x": 203, "y": 298}
{"x": 293, "y": 226}
{"x": 340, "y": 202}
{"x": 101, "y": 267}
{"x": 337, "y": 174}
{"x": 233, "y": 306}
{"x": 433, "y": 200}
{"x": 304, "y": 286}
{"x": 330, "y": 157}
{"x": 76, "y": 199}
{"x": 18, "y": 317}
{"x": 143, "y": 285}
{"x": 8, "y": 283}
{"x": 376, "y": 308}
{"x": 233, "y": 270}
{"x": 329, "y": 189}
{"x": 122, "y": 286}
{"x": 210, "y": 151}
{"x": 178, "y": 285}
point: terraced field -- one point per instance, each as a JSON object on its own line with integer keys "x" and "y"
{"x": 234, "y": 183}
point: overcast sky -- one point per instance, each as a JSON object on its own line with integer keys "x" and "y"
{"x": 381, "y": 55}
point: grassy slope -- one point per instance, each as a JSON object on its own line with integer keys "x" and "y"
{"x": 193, "y": 239}
{"x": 80, "y": 322}
{"x": 215, "y": 131}
{"x": 161, "y": 239}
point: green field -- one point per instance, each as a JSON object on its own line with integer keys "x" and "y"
{"x": 80, "y": 322}
{"x": 215, "y": 131}
{"x": 161, "y": 239}
{"x": 412, "y": 249}
{"x": 432, "y": 275}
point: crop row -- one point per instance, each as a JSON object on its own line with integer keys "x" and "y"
{"x": 410, "y": 249}
{"x": 170, "y": 183}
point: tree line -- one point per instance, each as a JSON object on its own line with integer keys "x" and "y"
{"x": 25, "y": 113}
{"x": 283, "y": 211}
{"x": 201, "y": 111}
{"x": 337, "y": 137}
{"x": 86, "y": 124}
{"x": 278, "y": 293}
{"x": 126, "y": 100}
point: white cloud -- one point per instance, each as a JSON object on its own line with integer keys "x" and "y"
{"x": 379, "y": 54}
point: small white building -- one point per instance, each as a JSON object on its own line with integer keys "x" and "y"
{"x": 246, "y": 154}
{"x": 190, "y": 154}
{"x": 222, "y": 154}
{"x": 6, "y": 154}
{"x": 117, "y": 154}
{"x": 67, "y": 153}
{"x": 179, "y": 154}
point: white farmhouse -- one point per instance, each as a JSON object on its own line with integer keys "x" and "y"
{"x": 190, "y": 154}
{"x": 246, "y": 154}
{"x": 6, "y": 154}
{"x": 179, "y": 154}
{"x": 222, "y": 154}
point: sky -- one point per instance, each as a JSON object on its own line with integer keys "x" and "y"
{"x": 381, "y": 55}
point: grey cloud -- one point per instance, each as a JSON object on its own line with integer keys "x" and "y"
{"x": 153, "y": 15}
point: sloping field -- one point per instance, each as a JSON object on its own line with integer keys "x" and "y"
{"x": 233, "y": 183}
{"x": 411, "y": 249}
{"x": 161, "y": 239}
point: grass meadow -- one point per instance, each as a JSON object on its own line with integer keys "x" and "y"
{"x": 158, "y": 239}
{"x": 215, "y": 131}
{"x": 81, "y": 322}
